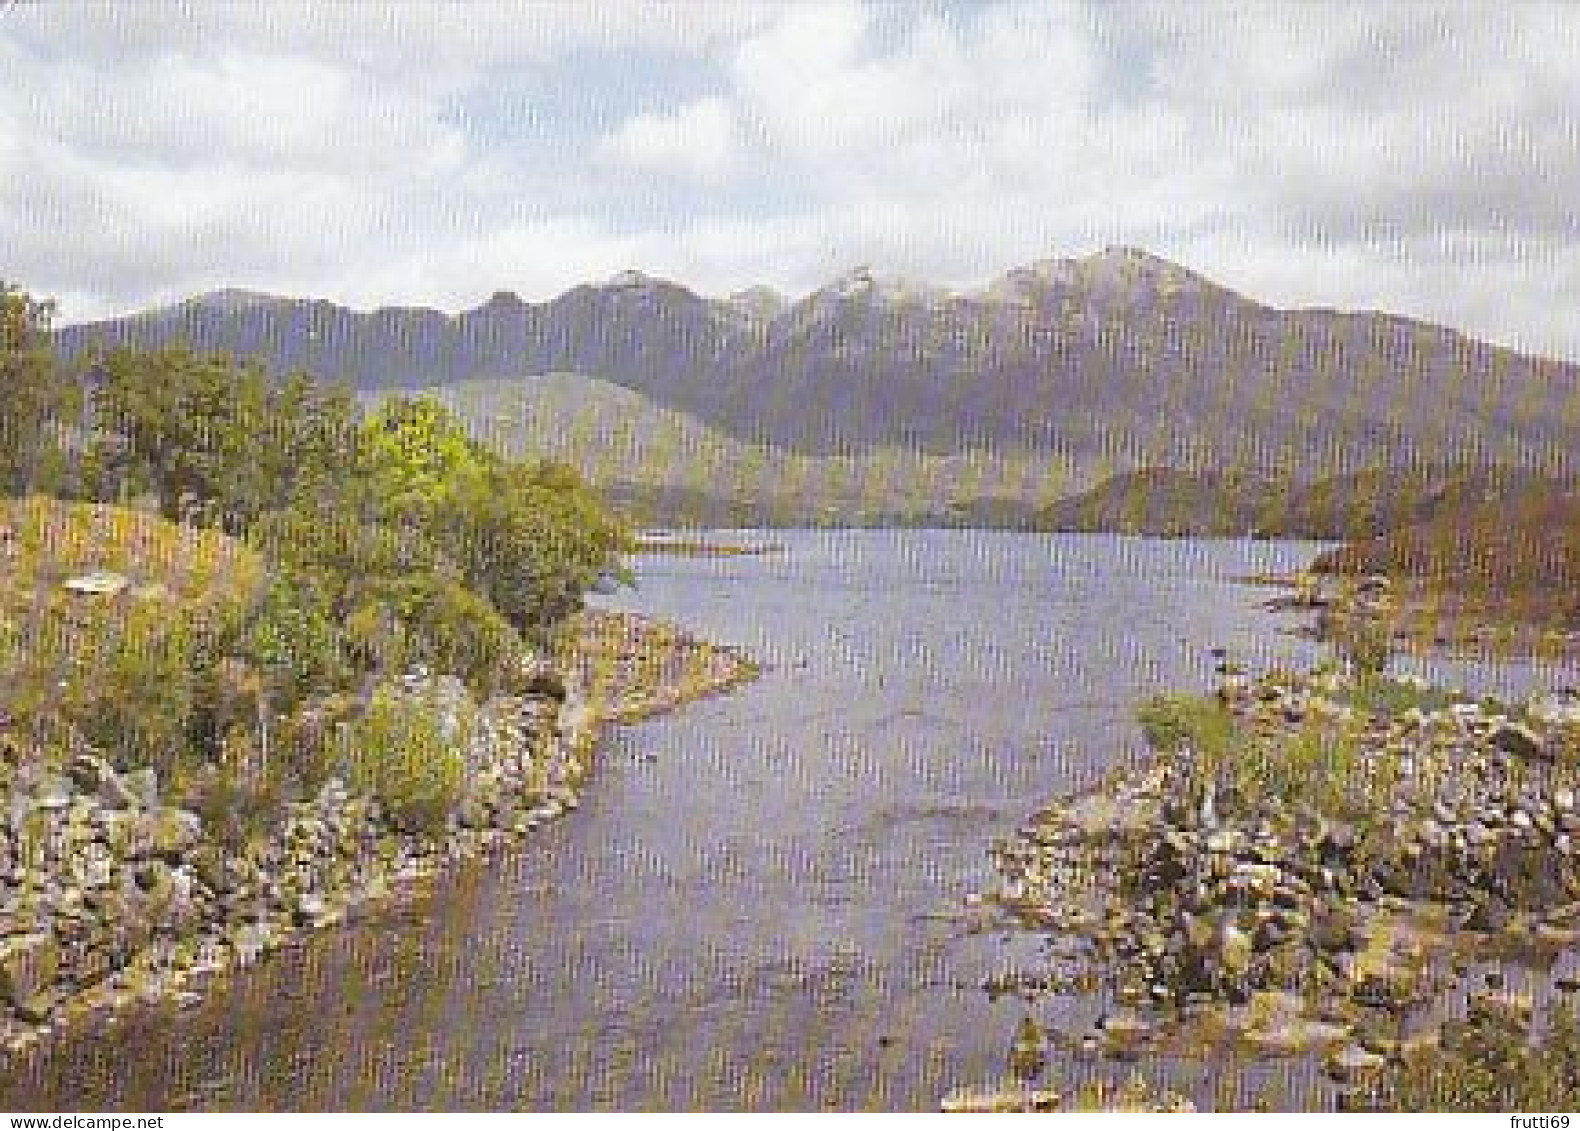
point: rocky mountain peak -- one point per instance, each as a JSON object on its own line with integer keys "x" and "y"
{"x": 632, "y": 278}
{"x": 761, "y": 303}
{"x": 863, "y": 284}
{"x": 1118, "y": 275}
{"x": 232, "y": 299}
{"x": 1124, "y": 266}
{"x": 503, "y": 300}
{"x": 1094, "y": 353}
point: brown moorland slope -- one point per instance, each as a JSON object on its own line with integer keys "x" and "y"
{"x": 1501, "y": 571}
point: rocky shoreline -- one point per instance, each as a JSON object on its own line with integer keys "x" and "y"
{"x": 111, "y": 895}
{"x": 1340, "y": 911}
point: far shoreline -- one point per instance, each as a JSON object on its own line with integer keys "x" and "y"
{"x": 1422, "y": 622}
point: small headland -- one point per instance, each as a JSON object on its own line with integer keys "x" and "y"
{"x": 1484, "y": 579}
{"x": 698, "y": 546}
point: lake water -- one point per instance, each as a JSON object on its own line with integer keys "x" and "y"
{"x": 757, "y": 905}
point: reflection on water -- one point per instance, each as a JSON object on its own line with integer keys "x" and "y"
{"x": 757, "y": 904}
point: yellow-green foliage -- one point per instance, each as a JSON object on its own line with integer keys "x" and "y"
{"x": 1173, "y": 723}
{"x": 341, "y": 553}
{"x": 398, "y": 751}
{"x": 292, "y": 640}
{"x": 137, "y": 703}
{"x": 532, "y": 539}
{"x": 449, "y": 628}
{"x": 1316, "y": 765}
{"x": 417, "y": 453}
{"x": 1364, "y": 643}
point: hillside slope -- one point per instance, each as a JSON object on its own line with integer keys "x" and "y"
{"x": 667, "y": 467}
{"x": 1527, "y": 544}
{"x": 144, "y": 582}
{"x": 1168, "y": 501}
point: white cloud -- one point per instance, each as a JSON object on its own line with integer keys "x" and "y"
{"x": 421, "y": 41}
{"x": 696, "y": 141}
{"x": 231, "y": 109}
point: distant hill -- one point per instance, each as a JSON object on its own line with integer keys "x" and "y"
{"x": 1118, "y": 360}
{"x": 1377, "y": 500}
{"x": 1353, "y": 505}
{"x": 1166, "y": 501}
{"x": 667, "y": 467}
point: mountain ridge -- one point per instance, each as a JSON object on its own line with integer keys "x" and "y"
{"x": 1115, "y": 359}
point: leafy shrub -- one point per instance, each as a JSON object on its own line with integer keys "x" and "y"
{"x": 1316, "y": 766}
{"x": 339, "y": 555}
{"x": 293, "y": 639}
{"x": 306, "y": 743}
{"x": 374, "y": 638}
{"x": 450, "y": 629}
{"x": 1364, "y": 643}
{"x": 1174, "y": 723}
{"x": 398, "y": 752}
{"x": 243, "y": 724}
{"x": 238, "y": 806}
{"x": 138, "y": 704}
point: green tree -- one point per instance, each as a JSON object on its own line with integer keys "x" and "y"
{"x": 530, "y": 537}
{"x": 162, "y": 412}
{"x": 35, "y": 398}
{"x": 223, "y": 440}
{"x": 296, "y": 443}
{"x": 417, "y": 455}
{"x": 533, "y": 538}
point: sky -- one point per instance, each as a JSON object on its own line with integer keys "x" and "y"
{"x": 1413, "y": 157}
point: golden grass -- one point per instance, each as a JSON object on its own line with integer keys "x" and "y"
{"x": 56, "y": 540}
{"x": 54, "y": 643}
